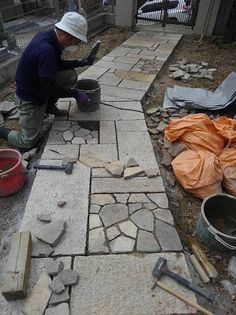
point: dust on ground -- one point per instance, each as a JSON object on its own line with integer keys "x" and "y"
{"x": 185, "y": 207}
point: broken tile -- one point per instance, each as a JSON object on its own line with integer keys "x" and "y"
{"x": 51, "y": 233}
{"x": 54, "y": 267}
{"x": 132, "y": 162}
{"x": 40, "y": 249}
{"x": 130, "y": 172}
{"x": 115, "y": 168}
{"x": 69, "y": 277}
{"x": 113, "y": 213}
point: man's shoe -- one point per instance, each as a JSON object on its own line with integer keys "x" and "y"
{"x": 53, "y": 110}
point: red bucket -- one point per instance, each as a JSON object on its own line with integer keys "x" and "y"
{"x": 12, "y": 173}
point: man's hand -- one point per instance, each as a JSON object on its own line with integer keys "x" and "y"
{"x": 81, "y": 97}
{"x": 86, "y": 61}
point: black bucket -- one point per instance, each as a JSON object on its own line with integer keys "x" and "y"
{"x": 93, "y": 90}
{"x": 216, "y": 226}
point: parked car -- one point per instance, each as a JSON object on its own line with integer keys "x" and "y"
{"x": 179, "y": 10}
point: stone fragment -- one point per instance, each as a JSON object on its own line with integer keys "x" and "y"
{"x": 115, "y": 168}
{"x": 61, "y": 203}
{"x": 112, "y": 232}
{"x": 186, "y": 77}
{"x": 204, "y": 64}
{"x": 174, "y": 68}
{"x": 57, "y": 285}
{"x": 153, "y": 131}
{"x": 68, "y": 135}
{"x": 97, "y": 241}
{"x": 143, "y": 219}
{"x": 95, "y": 209}
{"x": 229, "y": 287}
{"x": 102, "y": 199}
{"x": 178, "y": 74}
{"x": 122, "y": 244}
{"x": 159, "y": 199}
{"x": 168, "y": 237}
{"x": 61, "y": 309}
{"x": 128, "y": 228}
{"x": 193, "y": 69}
{"x": 63, "y": 297}
{"x": 232, "y": 267}
{"x": 152, "y": 111}
{"x": 130, "y": 172}
{"x": 92, "y": 141}
{"x": 61, "y": 125}
{"x": 161, "y": 127}
{"x": 94, "y": 134}
{"x": 113, "y": 213}
{"x": 146, "y": 242}
{"x": 134, "y": 206}
{"x": 208, "y": 76}
{"x": 212, "y": 69}
{"x": 164, "y": 215}
{"x": 82, "y": 132}
{"x": 152, "y": 172}
{"x": 150, "y": 205}
{"x": 132, "y": 162}
{"x": 37, "y": 302}
{"x": 94, "y": 221}
{"x": 170, "y": 177}
{"x": 40, "y": 249}
{"x": 138, "y": 198}
{"x": 51, "y": 233}
{"x": 183, "y": 112}
{"x": 6, "y": 106}
{"x": 68, "y": 276}
{"x": 122, "y": 198}
{"x": 44, "y": 217}
{"x": 54, "y": 267}
{"x": 166, "y": 159}
{"x": 175, "y": 148}
{"x": 78, "y": 140}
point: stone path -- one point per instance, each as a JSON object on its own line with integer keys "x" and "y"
{"x": 106, "y": 215}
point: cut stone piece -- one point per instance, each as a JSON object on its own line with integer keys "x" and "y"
{"x": 130, "y": 172}
{"x": 68, "y": 135}
{"x": 132, "y": 162}
{"x": 61, "y": 309}
{"x": 57, "y": 286}
{"x": 82, "y": 132}
{"x": 146, "y": 242}
{"x": 94, "y": 221}
{"x": 115, "y": 168}
{"x": 95, "y": 209}
{"x": 150, "y": 205}
{"x": 168, "y": 237}
{"x": 134, "y": 206}
{"x": 69, "y": 277}
{"x": 138, "y": 198}
{"x": 152, "y": 172}
{"x": 40, "y": 249}
{"x": 112, "y": 232}
{"x": 61, "y": 203}
{"x": 44, "y": 217}
{"x": 122, "y": 198}
{"x": 51, "y": 233}
{"x": 143, "y": 218}
{"x": 54, "y": 267}
{"x": 160, "y": 199}
{"x": 37, "y": 302}
{"x": 97, "y": 241}
{"x": 164, "y": 215}
{"x": 102, "y": 199}
{"x": 152, "y": 111}
{"x": 61, "y": 125}
{"x": 78, "y": 140}
{"x": 63, "y": 297}
{"x": 113, "y": 213}
{"x": 122, "y": 244}
{"x": 92, "y": 141}
{"x": 128, "y": 228}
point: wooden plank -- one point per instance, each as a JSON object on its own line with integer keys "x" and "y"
{"x": 18, "y": 264}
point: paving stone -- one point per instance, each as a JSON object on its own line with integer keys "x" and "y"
{"x": 135, "y": 95}
{"x": 129, "y": 144}
{"x": 68, "y": 135}
{"x": 48, "y": 188}
{"x": 54, "y": 267}
{"x": 59, "y": 152}
{"x": 113, "y": 213}
{"x": 164, "y": 215}
{"x": 93, "y": 72}
{"x": 138, "y": 198}
{"x": 102, "y": 199}
{"x": 55, "y": 138}
{"x": 69, "y": 277}
{"x": 74, "y": 127}
{"x": 128, "y": 228}
{"x": 130, "y": 172}
{"x": 100, "y": 172}
{"x": 92, "y": 141}
{"x": 113, "y": 65}
{"x": 122, "y": 198}
{"x": 109, "y": 79}
{"x": 159, "y": 199}
{"x": 44, "y": 217}
{"x": 142, "y": 77}
{"x": 135, "y": 185}
{"x": 119, "y": 52}
{"x": 168, "y": 237}
{"x": 139, "y": 42}
{"x": 82, "y": 132}
{"x": 152, "y": 172}
{"x": 97, "y": 241}
{"x": 132, "y": 162}
{"x": 78, "y": 140}
{"x": 94, "y": 209}
{"x": 61, "y": 125}
{"x": 114, "y": 278}
{"x": 146, "y": 242}
{"x": 94, "y": 133}
{"x": 115, "y": 168}
{"x": 94, "y": 221}
{"x": 57, "y": 286}
{"x": 127, "y": 59}
{"x": 37, "y": 302}
{"x": 131, "y": 125}
{"x": 61, "y": 309}
{"x": 107, "y": 132}
{"x": 150, "y": 205}
{"x": 134, "y": 207}
{"x": 112, "y": 232}
{"x": 87, "y": 137}
{"x": 97, "y": 155}
{"x": 51, "y": 233}
{"x": 161, "y": 127}
{"x": 144, "y": 219}
{"x": 122, "y": 244}
{"x": 63, "y": 297}
{"x": 129, "y": 84}
{"x": 40, "y": 249}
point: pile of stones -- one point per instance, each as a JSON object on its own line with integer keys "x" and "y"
{"x": 8, "y": 109}
{"x": 185, "y": 71}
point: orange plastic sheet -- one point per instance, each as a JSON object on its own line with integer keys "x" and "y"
{"x": 197, "y": 132}
{"x": 199, "y": 172}
{"x": 226, "y": 127}
{"x": 228, "y": 166}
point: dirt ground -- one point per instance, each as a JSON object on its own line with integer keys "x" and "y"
{"x": 185, "y": 207}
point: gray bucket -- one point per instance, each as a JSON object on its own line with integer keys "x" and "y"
{"x": 93, "y": 90}
{"x": 216, "y": 226}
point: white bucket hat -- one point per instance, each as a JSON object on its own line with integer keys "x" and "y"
{"x": 74, "y": 24}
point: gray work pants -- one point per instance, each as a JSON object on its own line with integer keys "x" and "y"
{"x": 31, "y": 115}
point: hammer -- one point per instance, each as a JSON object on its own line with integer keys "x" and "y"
{"x": 162, "y": 269}
{"x": 67, "y": 168}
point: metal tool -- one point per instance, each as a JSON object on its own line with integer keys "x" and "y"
{"x": 67, "y": 168}
{"x": 162, "y": 269}
{"x": 94, "y": 50}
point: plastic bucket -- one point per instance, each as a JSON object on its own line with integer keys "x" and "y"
{"x": 12, "y": 173}
{"x": 216, "y": 226}
{"x": 93, "y": 90}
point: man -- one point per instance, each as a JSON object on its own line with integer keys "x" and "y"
{"x": 42, "y": 77}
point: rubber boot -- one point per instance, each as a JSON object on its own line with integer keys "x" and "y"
{"x": 4, "y": 133}
{"x": 52, "y": 109}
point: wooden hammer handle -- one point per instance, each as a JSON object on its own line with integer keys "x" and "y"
{"x": 184, "y": 299}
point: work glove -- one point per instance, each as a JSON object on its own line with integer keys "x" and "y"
{"x": 81, "y": 97}
{"x": 86, "y": 61}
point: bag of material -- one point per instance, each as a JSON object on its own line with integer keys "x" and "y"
{"x": 226, "y": 127}
{"x": 228, "y": 166}
{"x": 198, "y": 172}
{"x": 197, "y": 132}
